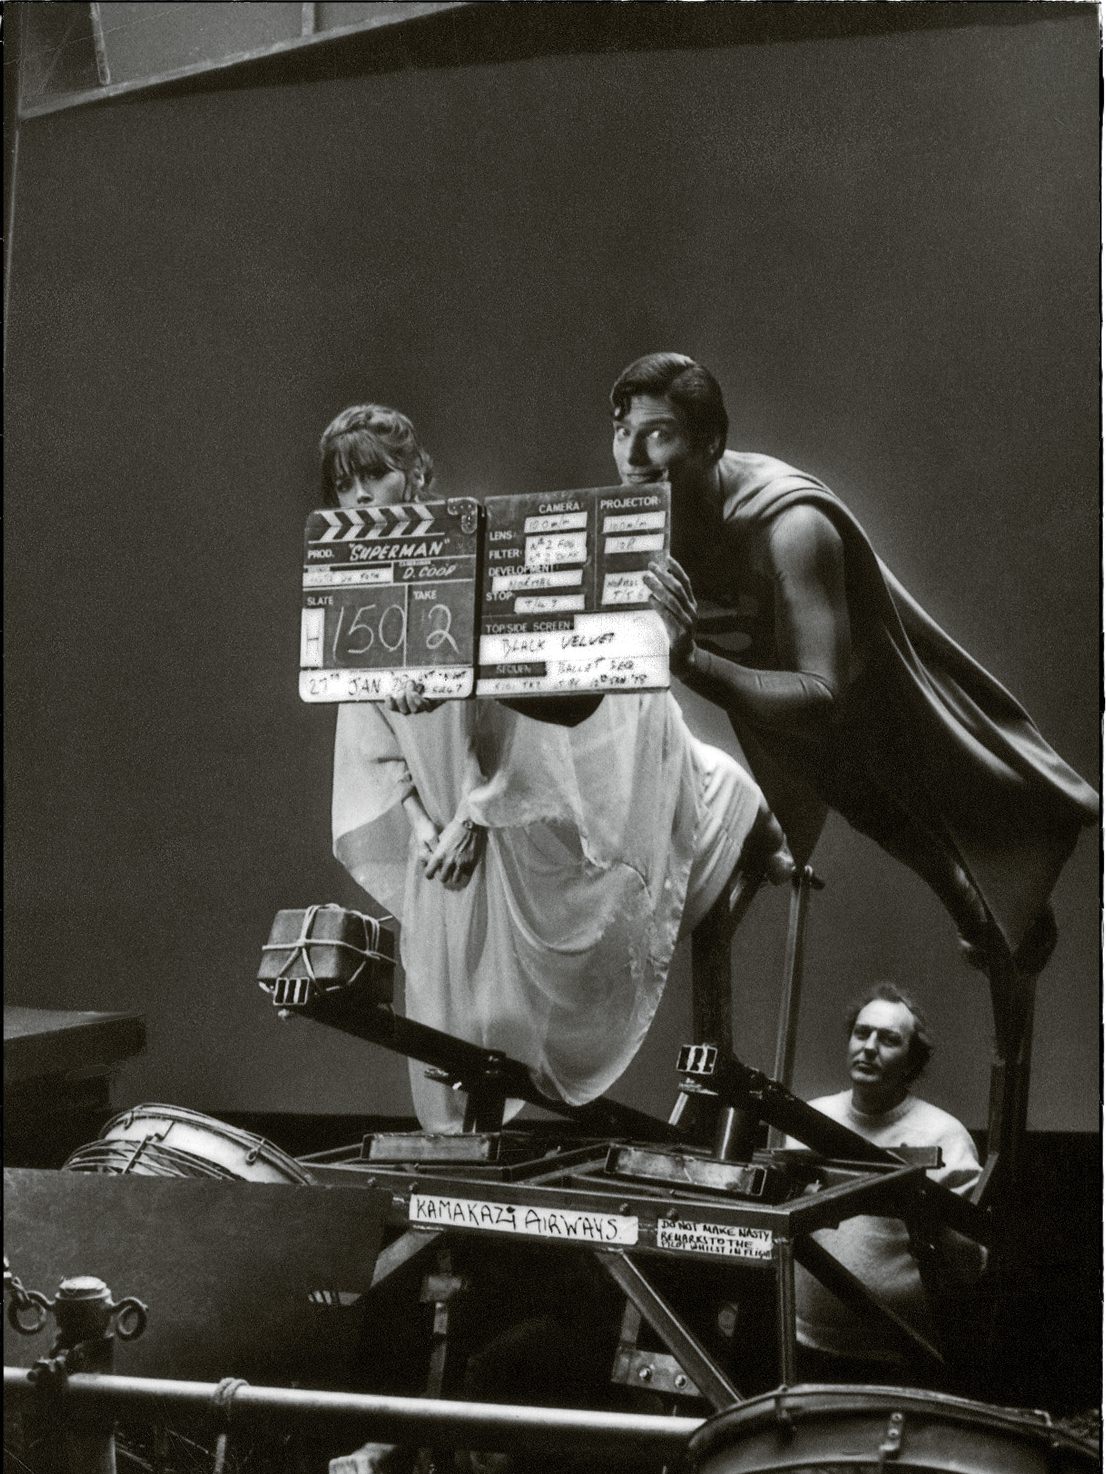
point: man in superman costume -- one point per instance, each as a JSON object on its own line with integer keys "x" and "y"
{"x": 842, "y": 691}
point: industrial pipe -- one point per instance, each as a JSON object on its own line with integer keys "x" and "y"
{"x": 481, "y": 1425}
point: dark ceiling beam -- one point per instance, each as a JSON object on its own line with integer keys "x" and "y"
{"x": 490, "y": 31}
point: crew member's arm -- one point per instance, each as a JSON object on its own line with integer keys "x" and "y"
{"x": 812, "y": 631}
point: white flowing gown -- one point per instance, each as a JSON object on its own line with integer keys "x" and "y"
{"x": 604, "y": 840}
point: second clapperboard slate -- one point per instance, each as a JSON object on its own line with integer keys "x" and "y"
{"x": 564, "y": 608}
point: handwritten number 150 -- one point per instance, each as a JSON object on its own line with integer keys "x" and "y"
{"x": 390, "y": 629}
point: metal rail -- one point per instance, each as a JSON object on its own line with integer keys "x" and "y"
{"x": 482, "y": 1425}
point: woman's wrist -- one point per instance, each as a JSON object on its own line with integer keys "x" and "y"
{"x": 412, "y": 806}
{"x": 473, "y": 832}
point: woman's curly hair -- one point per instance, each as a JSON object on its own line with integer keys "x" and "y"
{"x": 372, "y": 439}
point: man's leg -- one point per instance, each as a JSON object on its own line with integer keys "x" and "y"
{"x": 738, "y": 845}
{"x": 1011, "y": 975}
{"x": 799, "y": 808}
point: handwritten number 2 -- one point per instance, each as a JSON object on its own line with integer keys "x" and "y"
{"x": 439, "y": 633}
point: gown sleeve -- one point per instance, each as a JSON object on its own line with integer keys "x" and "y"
{"x": 371, "y": 779}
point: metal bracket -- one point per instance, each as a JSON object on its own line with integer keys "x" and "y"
{"x": 654, "y": 1371}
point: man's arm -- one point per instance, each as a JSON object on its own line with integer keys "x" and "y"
{"x": 812, "y": 632}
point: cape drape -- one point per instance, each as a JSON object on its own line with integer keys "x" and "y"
{"x": 1010, "y": 805}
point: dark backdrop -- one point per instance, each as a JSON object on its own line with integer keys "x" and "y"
{"x": 885, "y": 245}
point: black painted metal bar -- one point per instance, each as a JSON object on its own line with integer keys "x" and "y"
{"x": 484, "y": 1069}
{"x": 692, "y": 1355}
{"x": 740, "y": 1085}
{"x": 783, "y": 1257}
{"x": 801, "y": 883}
{"x": 882, "y": 1194}
{"x": 858, "y": 1297}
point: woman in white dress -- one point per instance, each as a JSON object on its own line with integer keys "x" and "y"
{"x": 541, "y": 873}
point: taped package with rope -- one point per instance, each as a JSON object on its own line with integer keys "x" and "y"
{"x": 319, "y": 948}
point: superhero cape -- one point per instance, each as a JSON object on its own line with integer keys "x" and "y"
{"x": 1011, "y": 806}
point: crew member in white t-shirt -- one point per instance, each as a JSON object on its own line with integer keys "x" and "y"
{"x": 888, "y": 1047}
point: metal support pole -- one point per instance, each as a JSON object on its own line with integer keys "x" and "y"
{"x": 712, "y": 999}
{"x": 784, "y": 1260}
{"x": 735, "y": 1135}
{"x": 390, "y": 1419}
{"x": 83, "y": 1310}
{"x": 802, "y": 882}
{"x": 441, "y": 1290}
{"x": 16, "y": 28}
{"x": 103, "y": 70}
{"x": 484, "y": 1103}
{"x": 1013, "y": 1000}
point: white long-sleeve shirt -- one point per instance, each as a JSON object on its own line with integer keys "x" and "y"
{"x": 877, "y": 1250}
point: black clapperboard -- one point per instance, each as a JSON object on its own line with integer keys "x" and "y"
{"x": 529, "y": 595}
{"x": 389, "y": 595}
